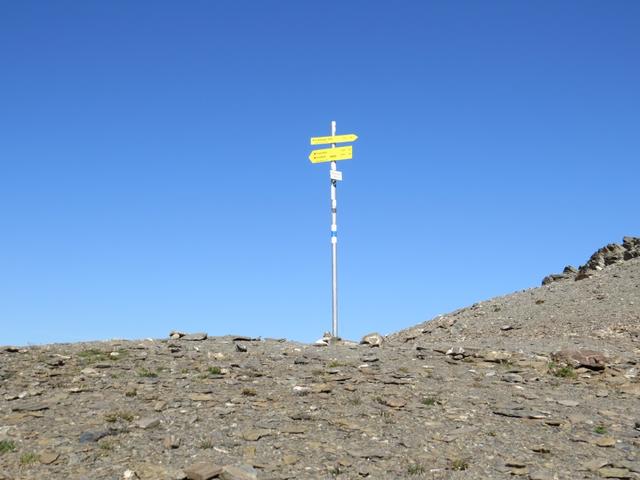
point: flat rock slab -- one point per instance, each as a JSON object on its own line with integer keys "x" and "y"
{"x": 88, "y": 437}
{"x": 590, "y": 359}
{"x": 393, "y": 402}
{"x": 541, "y": 475}
{"x": 29, "y": 407}
{"x": 606, "y": 442}
{"x": 293, "y": 429}
{"x": 595, "y": 464}
{"x": 48, "y": 458}
{"x": 203, "y": 471}
{"x": 609, "y": 472}
{"x": 631, "y": 466}
{"x": 194, "y": 337}
{"x": 520, "y": 414}
{"x": 568, "y": 403}
{"x": 202, "y": 397}
{"x": 256, "y": 434}
{"x": 239, "y": 472}
{"x": 148, "y": 422}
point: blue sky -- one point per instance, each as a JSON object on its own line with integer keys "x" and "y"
{"x": 154, "y": 171}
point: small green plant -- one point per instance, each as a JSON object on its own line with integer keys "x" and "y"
{"x": 126, "y": 416}
{"x": 7, "y": 446}
{"x": 562, "y": 371}
{"x": 92, "y": 355}
{"x": 355, "y": 401}
{"x": 249, "y": 392}
{"x": 566, "y": 372}
{"x": 107, "y": 445}
{"x": 112, "y": 417}
{"x": 600, "y": 430}
{"x": 28, "y": 458}
{"x": 214, "y": 370}
{"x": 459, "y": 464}
{"x": 206, "y": 444}
{"x": 143, "y": 372}
{"x": 335, "y": 364}
{"x": 386, "y": 416}
{"x": 428, "y": 401}
{"x": 90, "y": 352}
{"x": 335, "y": 471}
{"x": 415, "y": 469}
{"x": 131, "y": 393}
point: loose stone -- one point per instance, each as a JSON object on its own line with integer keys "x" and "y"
{"x": 148, "y": 422}
{"x": 203, "y": 471}
{"x": 512, "y": 378}
{"x": 606, "y": 442}
{"x": 611, "y": 472}
{"x": 48, "y": 458}
{"x": 394, "y": 402}
{"x": 194, "y": 337}
{"x": 171, "y": 441}
{"x": 256, "y": 434}
{"x": 87, "y": 437}
{"x": 568, "y": 403}
{"x": 372, "y": 339}
{"x": 239, "y": 472}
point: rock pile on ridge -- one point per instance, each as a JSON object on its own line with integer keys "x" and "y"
{"x": 542, "y": 384}
{"x": 607, "y": 255}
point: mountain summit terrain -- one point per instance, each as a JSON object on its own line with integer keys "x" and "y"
{"x": 542, "y": 384}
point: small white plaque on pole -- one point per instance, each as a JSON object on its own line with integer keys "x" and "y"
{"x": 335, "y": 175}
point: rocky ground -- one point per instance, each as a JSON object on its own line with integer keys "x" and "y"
{"x": 540, "y": 384}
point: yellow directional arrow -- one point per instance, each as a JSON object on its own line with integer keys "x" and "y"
{"x": 334, "y": 139}
{"x": 331, "y": 154}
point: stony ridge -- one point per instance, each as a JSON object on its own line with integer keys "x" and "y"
{"x": 542, "y": 384}
{"x": 605, "y": 256}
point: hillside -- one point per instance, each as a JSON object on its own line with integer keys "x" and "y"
{"x": 541, "y": 384}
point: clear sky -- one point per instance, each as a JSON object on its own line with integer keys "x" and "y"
{"x": 154, "y": 170}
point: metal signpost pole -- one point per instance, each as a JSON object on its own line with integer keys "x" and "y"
{"x": 332, "y": 155}
{"x": 334, "y": 244}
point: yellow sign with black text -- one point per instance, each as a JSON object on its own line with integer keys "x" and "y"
{"x": 331, "y": 154}
{"x": 333, "y": 139}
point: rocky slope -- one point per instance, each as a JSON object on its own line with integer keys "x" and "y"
{"x": 607, "y": 255}
{"x": 540, "y": 384}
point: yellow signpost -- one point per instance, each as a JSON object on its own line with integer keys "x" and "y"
{"x": 331, "y": 154}
{"x": 333, "y": 139}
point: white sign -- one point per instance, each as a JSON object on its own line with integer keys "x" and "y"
{"x": 335, "y": 175}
